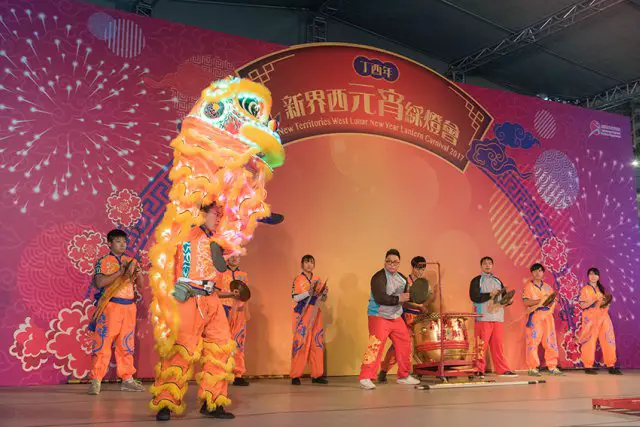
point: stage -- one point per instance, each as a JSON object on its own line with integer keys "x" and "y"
{"x": 564, "y": 401}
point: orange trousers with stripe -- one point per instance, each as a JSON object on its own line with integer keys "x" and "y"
{"x": 203, "y": 337}
{"x": 597, "y": 326}
{"x": 237, "y": 315}
{"x": 308, "y": 344}
{"x": 116, "y": 325}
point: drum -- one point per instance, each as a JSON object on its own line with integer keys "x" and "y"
{"x": 426, "y": 338}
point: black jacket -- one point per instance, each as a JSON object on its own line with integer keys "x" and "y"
{"x": 474, "y": 291}
{"x": 379, "y": 289}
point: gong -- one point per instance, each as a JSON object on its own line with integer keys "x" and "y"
{"x": 419, "y": 291}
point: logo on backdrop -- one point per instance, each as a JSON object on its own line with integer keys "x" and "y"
{"x": 316, "y": 92}
{"x": 598, "y": 129}
{"x": 377, "y": 69}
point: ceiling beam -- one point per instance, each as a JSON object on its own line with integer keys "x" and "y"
{"x": 530, "y": 35}
{"x": 244, "y": 4}
{"x": 330, "y": 7}
{"x": 613, "y": 97}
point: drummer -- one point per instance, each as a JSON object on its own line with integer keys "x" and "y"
{"x": 388, "y": 293}
{"x": 409, "y": 312}
{"x": 489, "y": 327}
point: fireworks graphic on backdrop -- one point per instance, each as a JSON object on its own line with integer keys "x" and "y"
{"x": 600, "y": 225}
{"x": 73, "y": 122}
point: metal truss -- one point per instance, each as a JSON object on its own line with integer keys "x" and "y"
{"x": 145, "y": 7}
{"x": 317, "y": 29}
{"x": 532, "y": 34}
{"x": 613, "y": 97}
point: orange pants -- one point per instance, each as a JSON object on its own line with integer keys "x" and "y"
{"x": 203, "y": 336}
{"x": 597, "y": 326}
{"x": 308, "y": 344}
{"x": 543, "y": 330}
{"x": 379, "y": 330}
{"x": 390, "y": 359}
{"x": 117, "y": 323}
{"x": 237, "y": 316}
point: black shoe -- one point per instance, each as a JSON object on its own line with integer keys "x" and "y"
{"x": 295, "y": 381}
{"x": 615, "y": 371}
{"x": 382, "y": 377}
{"x": 219, "y": 412}
{"x": 240, "y": 382}
{"x": 163, "y": 414}
{"x": 591, "y": 371}
{"x": 319, "y": 380}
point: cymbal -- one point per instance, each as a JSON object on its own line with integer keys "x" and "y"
{"x": 245, "y": 292}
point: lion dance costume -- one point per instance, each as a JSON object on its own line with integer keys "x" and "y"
{"x": 224, "y": 155}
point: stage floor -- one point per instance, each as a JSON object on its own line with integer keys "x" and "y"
{"x": 564, "y": 401}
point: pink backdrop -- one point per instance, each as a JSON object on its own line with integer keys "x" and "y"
{"x": 90, "y": 100}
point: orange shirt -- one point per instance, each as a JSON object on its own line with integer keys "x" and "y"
{"x": 533, "y": 292}
{"x": 193, "y": 258}
{"x": 302, "y": 284}
{"x": 590, "y": 295}
{"x": 110, "y": 264}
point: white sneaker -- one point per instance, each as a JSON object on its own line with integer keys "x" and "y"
{"x": 131, "y": 385}
{"x": 367, "y": 384}
{"x": 408, "y": 381}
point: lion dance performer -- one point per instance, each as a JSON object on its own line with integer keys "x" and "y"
{"x": 223, "y": 157}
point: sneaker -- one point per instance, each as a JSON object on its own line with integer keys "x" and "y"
{"x": 131, "y": 385}
{"x": 319, "y": 380}
{"x": 219, "y": 412}
{"x": 555, "y": 371}
{"x": 367, "y": 384}
{"x": 94, "y": 387}
{"x": 615, "y": 371}
{"x": 295, "y": 381}
{"x": 591, "y": 371}
{"x": 382, "y": 377}
{"x": 534, "y": 373}
{"x": 509, "y": 374}
{"x": 240, "y": 382}
{"x": 163, "y": 414}
{"x": 408, "y": 381}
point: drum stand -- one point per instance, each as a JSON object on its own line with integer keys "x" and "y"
{"x": 445, "y": 369}
{"x": 448, "y": 369}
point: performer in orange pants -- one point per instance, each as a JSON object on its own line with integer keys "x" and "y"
{"x": 409, "y": 312}
{"x": 388, "y": 293}
{"x": 308, "y": 331}
{"x": 541, "y": 327}
{"x": 117, "y": 322}
{"x": 596, "y": 325}
{"x": 238, "y": 314}
{"x": 489, "y": 327}
{"x": 203, "y": 336}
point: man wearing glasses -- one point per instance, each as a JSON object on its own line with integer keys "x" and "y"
{"x": 388, "y": 294}
{"x": 409, "y": 312}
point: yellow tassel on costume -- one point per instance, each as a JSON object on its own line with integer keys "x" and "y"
{"x": 213, "y": 163}
{"x": 164, "y": 403}
{"x": 174, "y": 372}
{"x": 211, "y": 380}
{"x": 175, "y": 391}
{"x": 212, "y": 403}
{"x": 220, "y": 350}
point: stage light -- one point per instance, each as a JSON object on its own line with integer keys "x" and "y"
{"x": 635, "y": 163}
